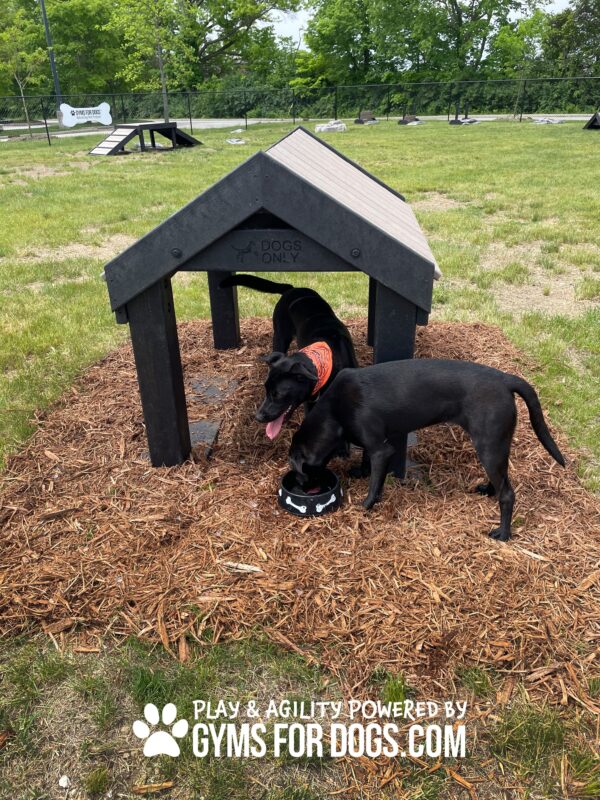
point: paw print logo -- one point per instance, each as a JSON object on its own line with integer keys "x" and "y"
{"x": 160, "y": 742}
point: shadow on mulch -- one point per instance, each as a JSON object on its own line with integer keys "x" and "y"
{"x": 95, "y": 541}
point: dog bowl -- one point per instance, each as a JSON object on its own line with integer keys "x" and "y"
{"x": 320, "y": 495}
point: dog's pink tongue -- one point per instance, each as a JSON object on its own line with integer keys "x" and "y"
{"x": 274, "y": 426}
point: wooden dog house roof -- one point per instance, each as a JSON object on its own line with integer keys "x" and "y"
{"x": 352, "y": 187}
{"x": 355, "y": 221}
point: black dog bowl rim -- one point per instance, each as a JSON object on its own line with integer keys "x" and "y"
{"x": 306, "y": 505}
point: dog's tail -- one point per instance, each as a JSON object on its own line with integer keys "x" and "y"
{"x": 536, "y": 416}
{"x": 260, "y": 284}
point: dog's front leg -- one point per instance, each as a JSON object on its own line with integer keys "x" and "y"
{"x": 379, "y": 464}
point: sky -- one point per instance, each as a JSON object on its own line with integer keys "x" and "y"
{"x": 293, "y": 23}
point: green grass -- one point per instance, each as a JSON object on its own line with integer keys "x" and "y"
{"x": 477, "y": 681}
{"x": 396, "y": 689}
{"x": 527, "y": 737}
{"x": 54, "y": 702}
{"x": 589, "y": 288}
{"x": 62, "y": 222}
{"x": 97, "y": 782}
{"x": 83, "y": 706}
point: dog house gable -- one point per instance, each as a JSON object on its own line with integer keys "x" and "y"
{"x": 300, "y": 199}
{"x": 356, "y": 190}
{"x": 328, "y": 210}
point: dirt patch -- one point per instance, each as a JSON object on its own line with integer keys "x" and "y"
{"x": 107, "y": 249}
{"x": 40, "y": 171}
{"x": 436, "y": 201}
{"x": 39, "y": 286}
{"x": 498, "y": 255}
{"x": 81, "y": 164}
{"x": 551, "y": 294}
{"x": 94, "y": 539}
{"x": 547, "y": 290}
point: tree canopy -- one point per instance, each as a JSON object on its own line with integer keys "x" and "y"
{"x": 107, "y": 46}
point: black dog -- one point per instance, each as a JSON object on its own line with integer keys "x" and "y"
{"x": 325, "y": 348}
{"x": 372, "y": 407}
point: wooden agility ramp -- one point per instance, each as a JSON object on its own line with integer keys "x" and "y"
{"x": 593, "y": 123}
{"x": 115, "y": 142}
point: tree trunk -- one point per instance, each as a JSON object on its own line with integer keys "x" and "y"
{"x": 163, "y": 83}
{"x": 163, "y": 80}
{"x": 24, "y": 107}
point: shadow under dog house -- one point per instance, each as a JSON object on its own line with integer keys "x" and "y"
{"x": 299, "y": 206}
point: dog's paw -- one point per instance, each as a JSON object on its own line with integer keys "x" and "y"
{"x": 486, "y": 489}
{"x": 500, "y": 535}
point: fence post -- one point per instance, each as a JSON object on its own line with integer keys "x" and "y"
{"x": 245, "y": 109}
{"x": 335, "y": 103}
{"x": 450, "y": 93}
{"x": 123, "y": 110}
{"x": 190, "y": 113}
{"x": 293, "y": 107}
{"x": 523, "y": 90}
{"x": 46, "y": 122}
{"x": 388, "y": 105}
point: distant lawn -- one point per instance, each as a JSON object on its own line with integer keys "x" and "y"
{"x": 509, "y": 209}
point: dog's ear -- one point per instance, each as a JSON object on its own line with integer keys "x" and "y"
{"x": 305, "y": 370}
{"x": 272, "y": 358}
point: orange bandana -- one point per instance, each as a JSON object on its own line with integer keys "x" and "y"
{"x": 321, "y": 356}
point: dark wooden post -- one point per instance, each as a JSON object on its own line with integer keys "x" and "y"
{"x": 395, "y": 329}
{"x": 371, "y": 311}
{"x": 224, "y": 312}
{"x": 156, "y": 349}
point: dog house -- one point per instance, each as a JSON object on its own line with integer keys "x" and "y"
{"x": 299, "y": 206}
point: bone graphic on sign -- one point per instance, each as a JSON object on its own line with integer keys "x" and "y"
{"x": 321, "y": 506}
{"x": 301, "y": 509}
{"x": 76, "y": 116}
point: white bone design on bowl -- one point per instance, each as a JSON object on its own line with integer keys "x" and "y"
{"x": 301, "y": 509}
{"x": 75, "y": 116}
{"x": 321, "y": 506}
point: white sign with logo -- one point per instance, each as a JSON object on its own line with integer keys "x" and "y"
{"x": 76, "y": 116}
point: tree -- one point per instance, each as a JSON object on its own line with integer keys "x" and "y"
{"x": 572, "y": 40}
{"x": 149, "y": 32}
{"x": 222, "y": 33}
{"x": 451, "y": 38}
{"x": 185, "y": 42}
{"x": 365, "y": 40}
{"x": 22, "y": 58}
{"x": 340, "y": 34}
{"x": 89, "y": 55}
{"x": 516, "y": 50}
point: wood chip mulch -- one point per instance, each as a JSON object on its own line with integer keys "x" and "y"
{"x": 95, "y": 541}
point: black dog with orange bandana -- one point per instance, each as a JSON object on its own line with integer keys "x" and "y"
{"x": 325, "y": 349}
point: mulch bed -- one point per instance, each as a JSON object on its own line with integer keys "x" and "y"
{"x": 95, "y": 541}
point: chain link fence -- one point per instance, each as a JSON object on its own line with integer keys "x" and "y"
{"x": 37, "y": 115}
